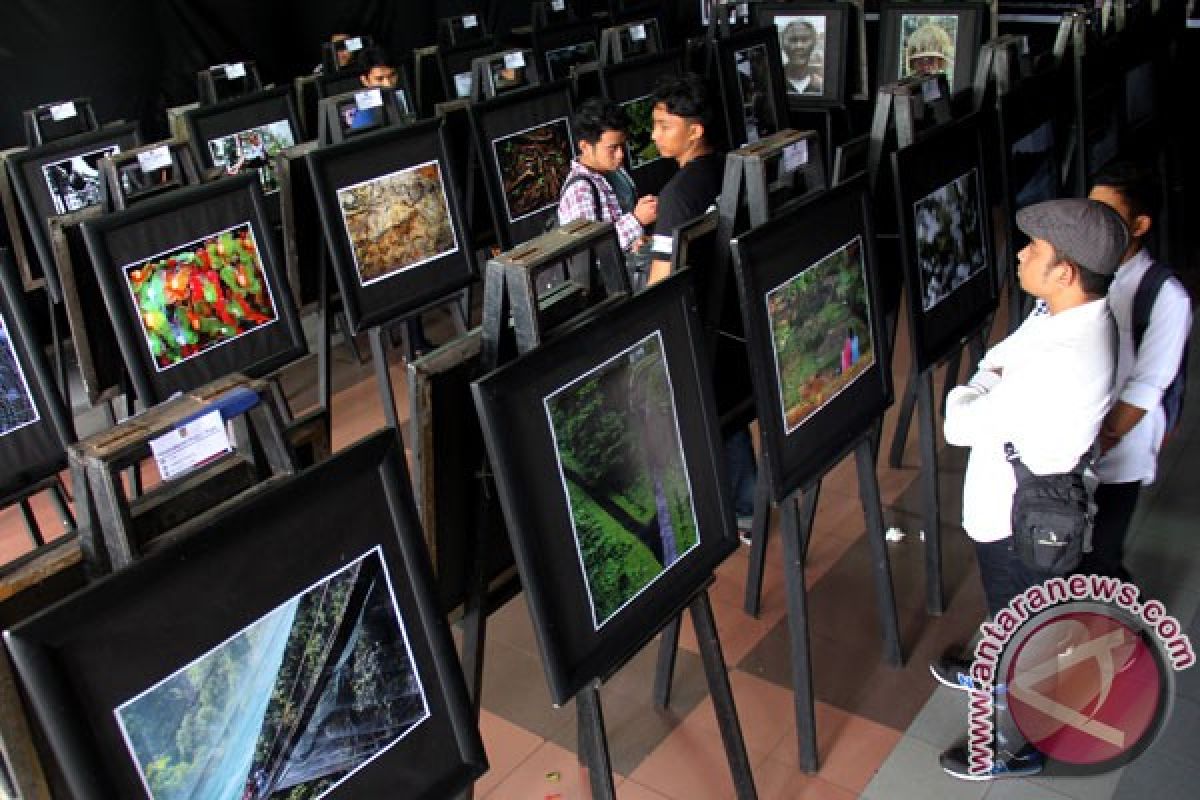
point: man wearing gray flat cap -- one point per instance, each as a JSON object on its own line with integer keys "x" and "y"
{"x": 1045, "y": 389}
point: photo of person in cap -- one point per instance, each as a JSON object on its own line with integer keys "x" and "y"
{"x": 1045, "y": 389}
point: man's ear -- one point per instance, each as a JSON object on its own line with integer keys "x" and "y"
{"x": 695, "y": 131}
{"x": 1141, "y": 226}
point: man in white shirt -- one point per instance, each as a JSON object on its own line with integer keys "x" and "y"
{"x": 1046, "y": 389}
{"x": 1133, "y": 430}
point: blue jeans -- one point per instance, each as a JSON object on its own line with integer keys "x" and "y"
{"x": 743, "y": 471}
{"x": 1003, "y": 573}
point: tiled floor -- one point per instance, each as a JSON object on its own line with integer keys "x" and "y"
{"x": 880, "y": 729}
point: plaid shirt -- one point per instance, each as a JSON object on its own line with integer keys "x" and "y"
{"x": 577, "y": 203}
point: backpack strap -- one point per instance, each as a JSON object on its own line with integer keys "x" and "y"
{"x": 581, "y": 176}
{"x": 1022, "y": 471}
{"x": 1143, "y": 299}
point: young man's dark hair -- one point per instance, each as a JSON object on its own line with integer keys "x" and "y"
{"x": 370, "y": 57}
{"x": 1139, "y": 186}
{"x": 685, "y": 96}
{"x": 595, "y": 117}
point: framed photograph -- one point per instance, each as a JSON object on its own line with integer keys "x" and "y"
{"x": 50, "y": 122}
{"x": 35, "y": 428}
{"x": 616, "y": 421}
{"x": 944, "y": 212}
{"x": 630, "y": 40}
{"x": 1032, "y": 144}
{"x": 59, "y": 178}
{"x": 815, "y": 333}
{"x": 331, "y": 674}
{"x": 506, "y": 72}
{"x": 929, "y": 38}
{"x": 226, "y": 81}
{"x": 455, "y": 66}
{"x": 562, "y": 47}
{"x": 194, "y": 287}
{"x": 245, "y": 134}
{"x": 392, "y": 221}
{"x": 752, "y": 85}
{"x": 814, "y": 42}
{"x": 629, "y": 85}
{"x": 527, "y": 148}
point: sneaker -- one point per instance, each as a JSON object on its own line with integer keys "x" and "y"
{"x": 955, "y": 673}
{"x": 1024, "y": 763}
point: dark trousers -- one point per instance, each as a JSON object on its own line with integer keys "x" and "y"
{"x": 1115, "y": 503}
{"x": 743, "y": 471}
{"x": 1004, "y": 574}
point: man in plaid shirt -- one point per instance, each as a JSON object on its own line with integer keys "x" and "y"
{"x": 600, "y": 133}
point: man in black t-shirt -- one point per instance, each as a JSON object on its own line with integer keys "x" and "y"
{"x": 682, "y": 115}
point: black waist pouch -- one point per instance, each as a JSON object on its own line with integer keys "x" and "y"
{"x": 1051, "y": 516}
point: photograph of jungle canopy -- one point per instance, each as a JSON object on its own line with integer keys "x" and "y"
{"x": 35, "y": 428}
{"x": 616, "y": 419}
{"x": 814, "y": 330}
{"x": 630, "y": 85}
{"x": 945, "y": 237}
{"x": 245, "y": 661}
{"x": 194, "y": 287}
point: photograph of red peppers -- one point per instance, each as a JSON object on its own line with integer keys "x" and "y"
{"x": 200, "y": 295}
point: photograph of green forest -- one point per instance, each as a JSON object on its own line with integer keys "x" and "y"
{"x": 820, "y": 332}
{"x": 620, "y": 459}
{"x": 288, "y": 707}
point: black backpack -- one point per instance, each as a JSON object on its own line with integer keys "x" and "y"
{"x": 1143, "y": 303}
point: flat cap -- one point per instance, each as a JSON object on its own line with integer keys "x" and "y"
{"x": 1084, "y": 231}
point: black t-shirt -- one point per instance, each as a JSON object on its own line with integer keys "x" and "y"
{"x": 689, "y": 193}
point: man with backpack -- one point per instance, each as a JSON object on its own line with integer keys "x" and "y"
{"x": 1154, "y": 318}
{"x": 597, "y": 187}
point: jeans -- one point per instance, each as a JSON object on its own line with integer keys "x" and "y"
{"x": 1003, "y": 573}
{"x": 1115, "y": 503}
{"x": 743, "y": 471}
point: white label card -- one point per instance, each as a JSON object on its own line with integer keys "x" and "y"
{"x": 515, "y": 60}
{"x": 462, "y": 84}
{"x": 795, "y": 155}
{"x": 637, "y": 33}
{"x": 371, "y": 98}
{"x": 233, "y": 71}
{"x": 930, "y": 90}
{"x": 558, "y": 5}
{"x": 354, "y": 43}
{"x": 662, "y": 245}
{"x": 62, "y": 111}
{"x": 470, "y": 21}
{"x": 158, "y": 158}
{"x": 190, "y": 446}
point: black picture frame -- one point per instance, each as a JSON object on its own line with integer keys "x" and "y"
{"x": 940, "y": 320}
{"x": 458, "y": 82}
{"x": 629, "y": 40}
{"x": 126, "y": 180}
{"x": 630, "y": 84}
{"x": 32, "y": 172}
{"x": 464, "y": 29}
{"x": 222, "y": 126}
{"x": 504, "y": 72}
{"x": 161, "y": 228}
{"x": 98, "y": 666}
{"x": 544, "y": 112}
{"x": 752, "y": 85}
{"x": 831, "y": 24}
{"x": 371, "y": 163}
{"x": 970, "y": 18}
{"x": 361, "y": 111}
{"x": 580, "y": 635}
{"x": 50, "y": 122}
{"x": 330, "y": 51}
{"x": 1032, "y": 143}
{"x": 562, "y": 47}
{"x": 216, "y": 83}
{"x": 35, "y": 427}
{"x": 800, "y": 442}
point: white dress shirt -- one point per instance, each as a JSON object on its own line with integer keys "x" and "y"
{"x": 1046, "y": 389}
{"x": 1144, "y": 375}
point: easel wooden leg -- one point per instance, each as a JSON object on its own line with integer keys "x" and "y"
{"x": 797, "y": 527}
{"x": 31, "y": 523}
{"x": 758, "y": 544}
{"x": 324, "y": 333}
{"x": 474, "y": 622}
{"x": 58, "y": 494}
{"x": 387, "y": 395}
{"x": 934, "y": 596}
{"x": 885, "y": 597}
{"x": 722, "y": 696}
{"x": 593, "y": 745}
{"x": 664, "y": 671}
{"x": 903, "y": 421}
